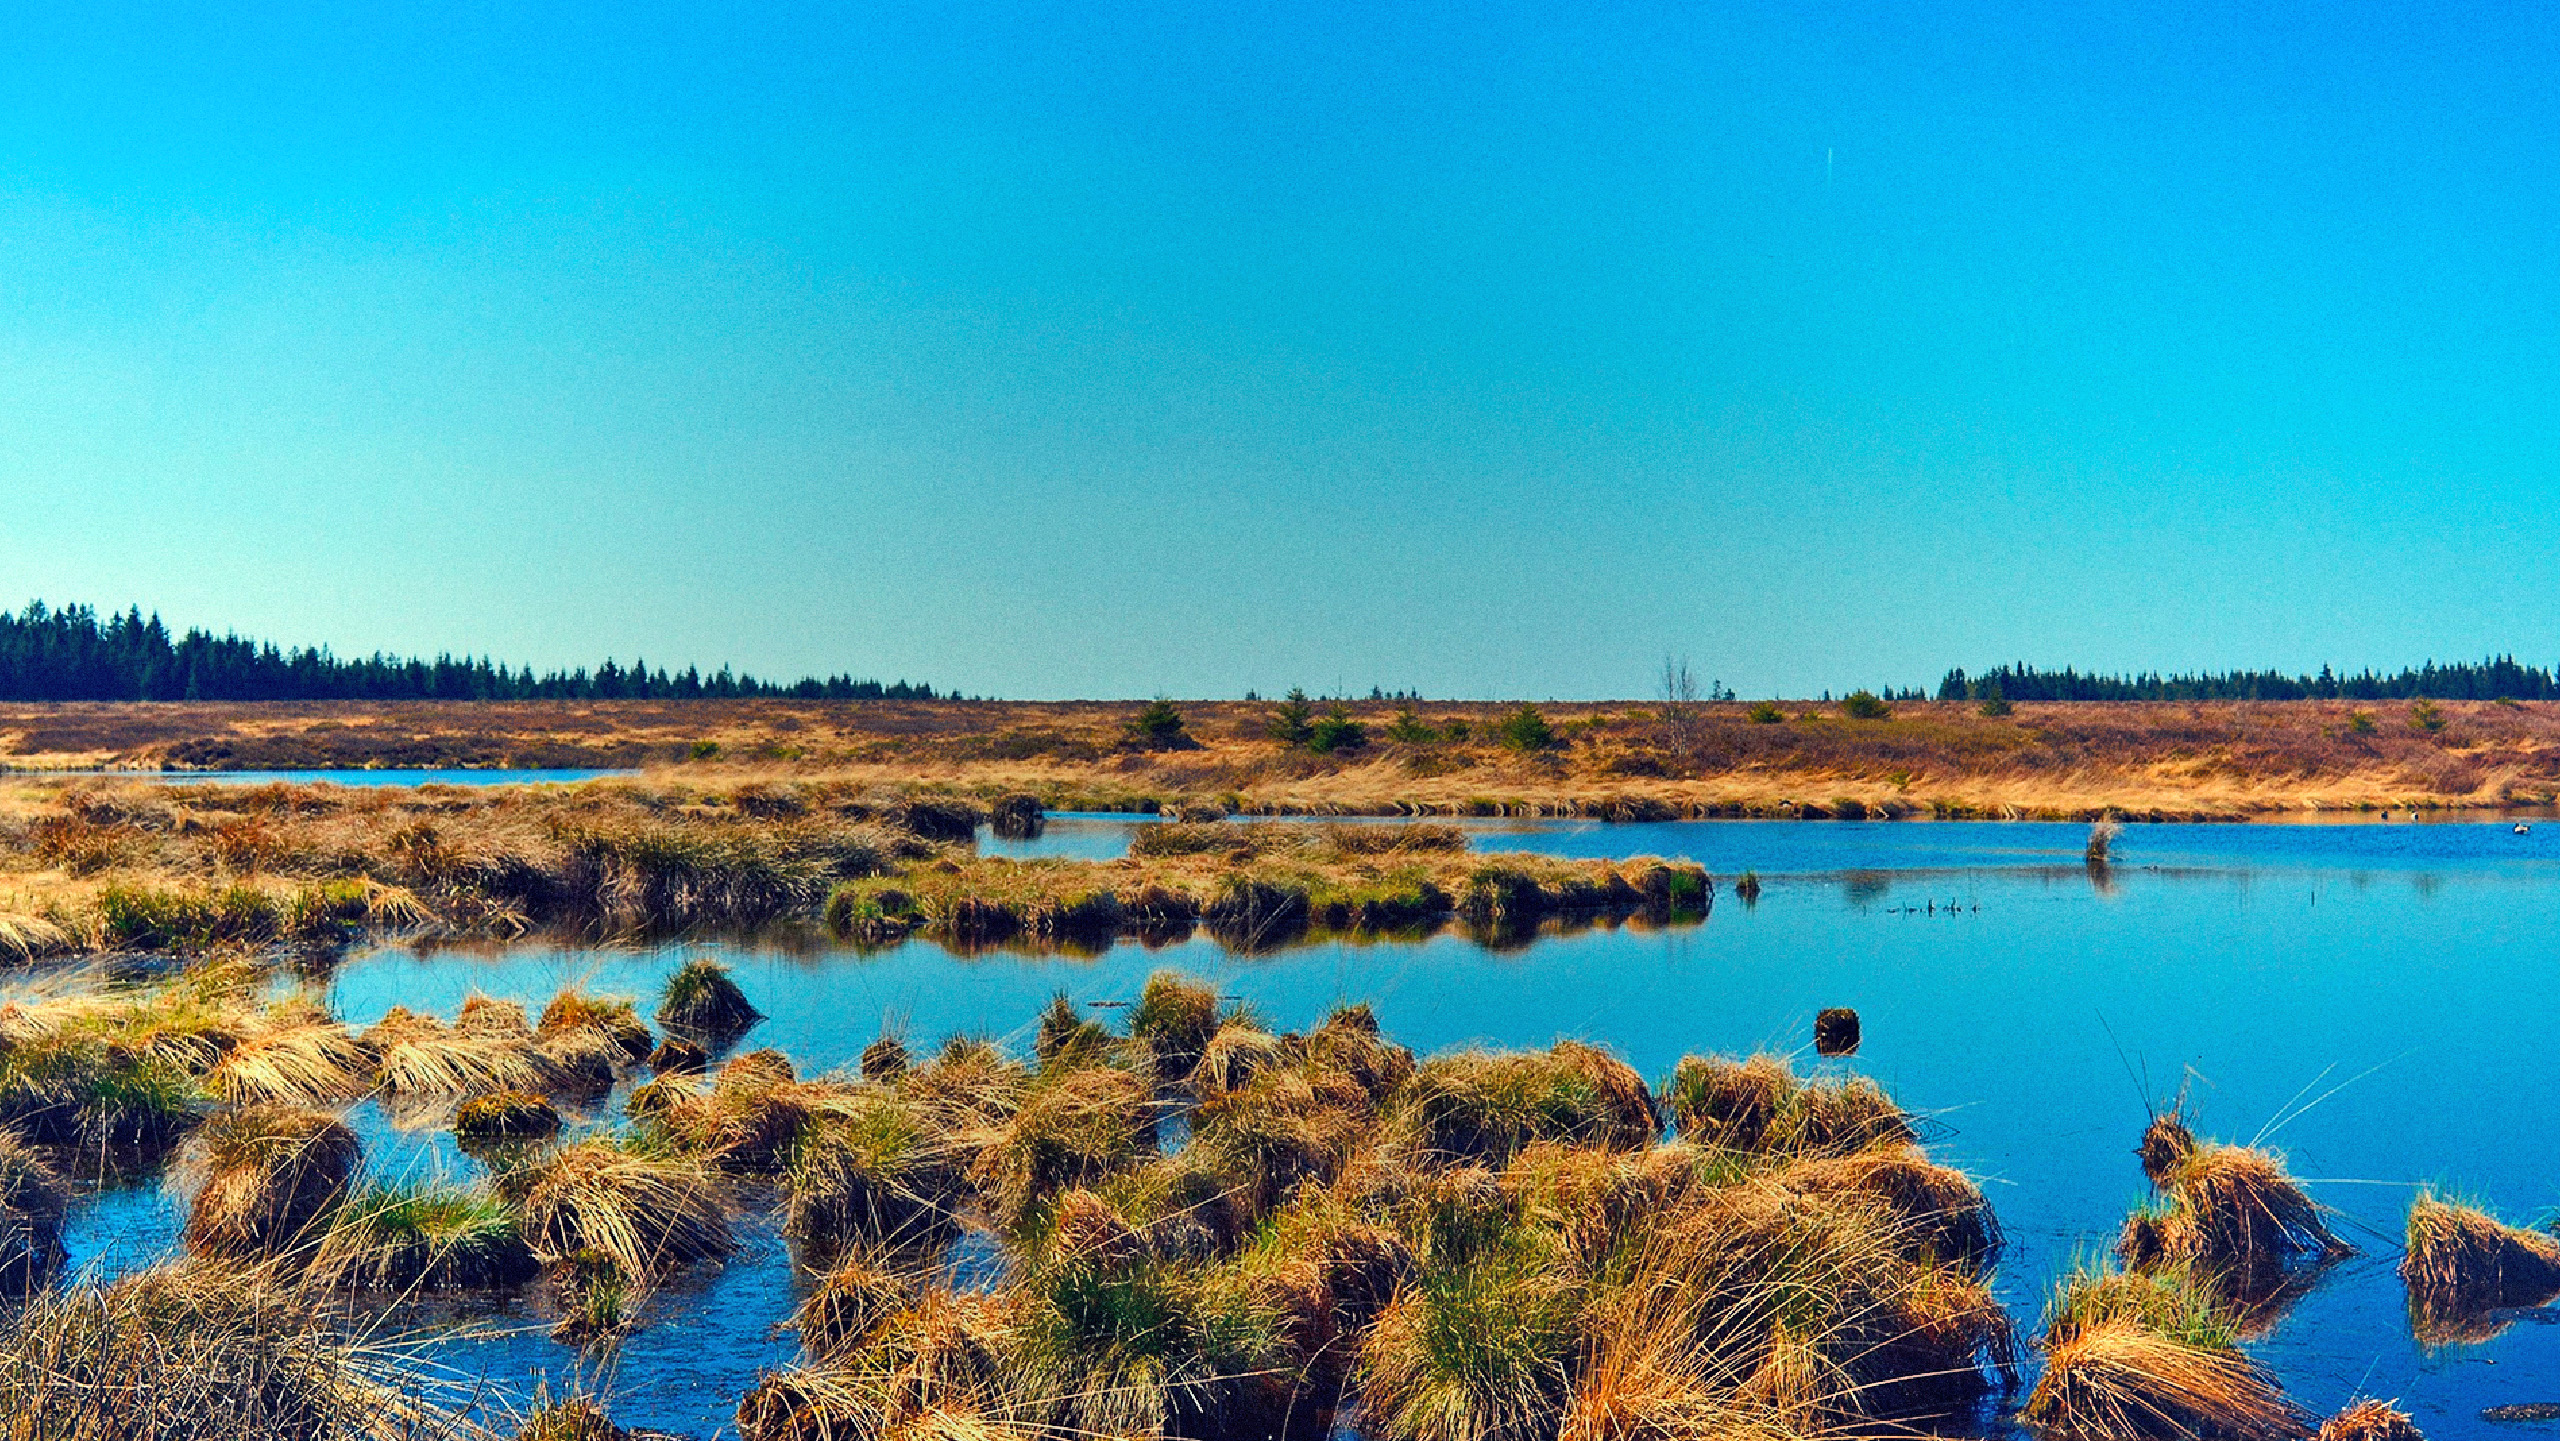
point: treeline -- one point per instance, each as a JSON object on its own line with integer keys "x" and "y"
{"x": 67, "y": 654}
{"x": 2499, "y": 678}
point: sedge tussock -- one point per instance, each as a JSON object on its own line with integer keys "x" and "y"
{"x": 650, "y": 1214}
{"x": 419, "y": 1056}
{"x": 703, "y": 1001}
{"x": 2232, "y": 1216}
{"x": 401, "y": 1240}
{"x": 1758, "y": 1107}
{"x": 265, "y": 1178}
{"x": 574, "y": 1009}
{"x": 2463, "y": 1265}
{"x": 2370, "y": 1420}
{"x": 25, "y": 938}
{"x": 33, "y": 1202}
{"x": 2136, "y": 1357}
{"x": 1483, "y": 1107}
{"x": 306, "y": 1062}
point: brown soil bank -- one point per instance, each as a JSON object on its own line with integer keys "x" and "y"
{"x": 1620, "y": 760}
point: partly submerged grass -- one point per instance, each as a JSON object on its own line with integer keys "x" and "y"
{"x": 648, "y": 1213}
{"x": 2463, "y": 1266}
{"x": 265, "y": 1179}
{"x": 2148, "y": 1357}
{"x": 191, "y": 1352}
{"x": 400, "y": 1240}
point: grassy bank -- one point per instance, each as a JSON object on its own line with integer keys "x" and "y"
{"x": 1621, "y": 760}
{"x": 122, "y": 866}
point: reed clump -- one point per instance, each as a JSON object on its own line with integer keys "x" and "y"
{"x": 266, "y": 1179}
{"x": 2463, "y": 1264}
{"x": 2135, "y": 1357}
{"x": 648, "y": 1214}
{"x": 410, "y": 1240}
{"x": 703, "y": 1001}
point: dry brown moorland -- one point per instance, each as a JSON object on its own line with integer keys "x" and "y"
{"x": 1624, "y": 759}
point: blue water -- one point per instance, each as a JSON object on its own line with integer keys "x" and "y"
{"x": 1728, "y": 848}
{"x": 2382, "y": 991}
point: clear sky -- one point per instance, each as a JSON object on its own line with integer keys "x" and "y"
{"x": 1102, "y": 349}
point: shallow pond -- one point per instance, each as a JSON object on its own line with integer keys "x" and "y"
{"x": 2373, "y": 1000}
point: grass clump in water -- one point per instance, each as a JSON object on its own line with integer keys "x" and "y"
{"x": 2134, "y": 1357}
{"x": 1174, "y": 1019}
{"x": 404, "y": 1240}
{"x": 1758, "y": 1107}
{"x": 573, "y": 1011}
{"x": 266, "y": 1179}
{"x": 1483, "y": 1107}
{"x": 2231, "y": 1216}
{"x": 649, "y": 1214}
{"x": 2463, "y": 1265}
{"x": 704, "y": 1002}
{"x": 505, "y": 1119}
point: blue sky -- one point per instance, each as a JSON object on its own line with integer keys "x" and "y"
{"x": 1101, "y": 349}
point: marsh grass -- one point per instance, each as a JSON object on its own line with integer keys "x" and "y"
{"x": 1757, "y": 1106}
{"x": 420, "y": 1056}
{"x": 399, "y": 1241}
{"x": 2132, "y": 1357}
{"x": 33, "y": 1202}
{"x": 2370, "y": 1420}
{"x": 190, "y": 1353}
{"x": 505, "y": 1118}
{"x": 2232, "y": 1217}
{"x": 874, "y": 1175}
{"x": 2463, "y": 1265}
{"x": 304, "y": 1060}
{"x": 648, "y": 1213}
{"x": 703, "y": 1001}
{"x": 1484, "y": 1107}
{"x": 574, "y": 1010}
{"x": 1482, "y": 1244}
{"x": 265, "y": 1179}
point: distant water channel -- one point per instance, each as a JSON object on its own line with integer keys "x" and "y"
{"x": 2377, "y": 1001}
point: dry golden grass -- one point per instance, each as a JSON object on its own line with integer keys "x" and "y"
{"x": 190, "y": 1351}
{"x": 2463, "y": 1267}
{"x": 2075, "y": 759}
{"x": 265, "y": 1180}
{"x": 2370, "y": 1420}
{"x": 2131, "y": 1357}
{"x": 2117, "y": 1382}
{"x": 650, "y": 1214}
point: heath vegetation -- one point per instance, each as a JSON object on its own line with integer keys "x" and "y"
{"x": 1979, "y": 751}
